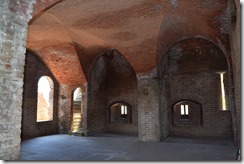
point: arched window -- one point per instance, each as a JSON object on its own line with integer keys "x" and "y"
{"x": 45, "y": 99}
{"x": 77, "y": 110}
{"x": 120, "y": 112}
{"x": 77, "y": 94}
{"x": 187, "y": 112}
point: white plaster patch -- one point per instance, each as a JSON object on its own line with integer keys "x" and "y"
{"x": 174, "y": 3}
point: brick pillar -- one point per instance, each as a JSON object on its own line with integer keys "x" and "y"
{"x": 148, "y": 108}
{"x": 164, "y": 106}
{"x": 14, "y": 18}
{"x": 64, "y": 108}
{"x": 236, "y": 59}
{"x": 84, "y": 107}
{"x": 237, "y": 70}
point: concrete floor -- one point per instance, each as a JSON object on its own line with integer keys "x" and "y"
{"x": 121, "y": 147}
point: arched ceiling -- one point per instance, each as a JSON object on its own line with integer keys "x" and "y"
{"x": 195, "y": 56}
{"x": 70, "y": 35}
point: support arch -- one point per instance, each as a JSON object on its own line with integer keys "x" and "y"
{"x": 111, "y": 79}
{"x": 182, "y": 74}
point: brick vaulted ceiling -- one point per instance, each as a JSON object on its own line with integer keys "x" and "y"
{"x": 70, "y": 35}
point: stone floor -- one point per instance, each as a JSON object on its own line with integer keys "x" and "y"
{"x": 121, "y": 147}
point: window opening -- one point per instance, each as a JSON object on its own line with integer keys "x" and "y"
{"x": 120, "y": 112}
{"x": 77, "y": 95}
{"x": 184, "y": 111}
{"x": 45, "y": 99}
{"x": 187, "y": 112}
{"x": 77, "y": 110}
{"x": 223, "y": 91}
{"x": 123, "y": 109}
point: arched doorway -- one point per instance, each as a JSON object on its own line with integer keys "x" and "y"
{"x": 77, "y": 110}
{"x": 195, "y": 70}
{"x": 111, "y": 82}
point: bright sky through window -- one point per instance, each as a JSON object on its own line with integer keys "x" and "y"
{"x": 184, "y": 110}
{"x": 123, "y": 109}
{"x": 223, "y": 91}
{"x": 45, "y": 99}
{"x": 77, "y": 94}
{"x": 44, "y": 88}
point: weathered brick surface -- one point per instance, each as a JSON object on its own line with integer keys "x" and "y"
{"x": 148, "y": 107}
{"x": 154, "y": 113}
{"x": 41, "y": 5}
{"x": 234, "y": 33}
{"x": 65, "y": 112}
{"x": 34, "y": 70}
{"x": 84, "y": 107}
{"x": 191, "y": 74}
{"x": 112, "y": 80}
{"x": 13, "y": 30}
{"x": 216, "y": 123}
{"x": 96, "y": 105}
{"x": 65, "y": 108}
{"x": 203, "y": 19}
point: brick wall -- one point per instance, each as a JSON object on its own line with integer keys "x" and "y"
{"x": 122, "y": 86}
{"x": 84, "y": 107}
{"x": 65, "y": 108}
{"x": 34, "y": 70}
{"x": 205, "y": 92}
{"x": 13, "y": 25}
{"x": 148, "y": 107}
{"x": 65, "y": 113}
{"x": 14, "y": 18}
{"x": 234, "y": 34}
{"x": 191, "y": 73}
{"x": 41, "y": 5}
{"x": 13, "y": 29}
{"x": 96, "y": 105}
{"x": 112, "y": 80}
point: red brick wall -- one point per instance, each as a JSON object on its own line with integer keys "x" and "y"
{"x": 203, "y": 88}
{"x": 41, "y": 5}
{"x": 34, "y": 69}
{"x": 112, "y": 80}
{"x": 190, "y": 73}
{"x": 148, "y": 107}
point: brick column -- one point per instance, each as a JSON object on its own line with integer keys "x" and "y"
{"x": 64, "y": 108}
{"x": 14, "y": 18}
{"x": 236, "y": 59}
{"x": 148, "y": 108}
{"x": 84, "y": 107}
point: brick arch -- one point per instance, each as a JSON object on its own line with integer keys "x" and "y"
{"x": 197, "y": 113}
{"x": 111, "y": 78}
{"x": 162, "y": 50}
{"x": 45, "y": 112}
{"x": 108, "y": 52}
{"x": 113, "y": 112}
{"x": 76, "y": 111}
{"x": 74, "y": 89}
{"x": 179, "y": 25}
{"x": 178, "y": 86}
{"x": 218, "y": 45}
{"x": 42, "y": 5}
